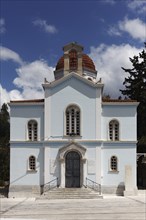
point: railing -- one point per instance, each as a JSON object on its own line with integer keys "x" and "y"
{"x": 50, "y": 185}
{"x": 93, "y": 185}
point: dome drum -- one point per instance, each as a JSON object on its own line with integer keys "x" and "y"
{"x": 74, "y": 60}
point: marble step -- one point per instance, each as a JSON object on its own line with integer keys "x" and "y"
{"x": 71, "y": 193}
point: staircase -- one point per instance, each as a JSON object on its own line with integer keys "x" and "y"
{"x": 70, "y": 193}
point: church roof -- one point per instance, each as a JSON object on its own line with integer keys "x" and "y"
{"x": 103, "y": 100}
{"x": 29, "y": 100}
{"x": 118, "y": 100}
{"x": 87, "y": 62}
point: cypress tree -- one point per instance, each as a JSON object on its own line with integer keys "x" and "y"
{"x": 4, "y": 144}
{"x": 135, "y": 88}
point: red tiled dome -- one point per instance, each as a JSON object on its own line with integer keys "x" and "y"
{"x": 87, "y": 63}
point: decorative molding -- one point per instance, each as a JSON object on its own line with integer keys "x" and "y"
{"x": 72, "y": 147}
{"x": 72, "y": 140}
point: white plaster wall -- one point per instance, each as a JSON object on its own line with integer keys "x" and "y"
{"x": 126, "y": 115}
{"x": 20, "y": 115}
{"x": 92, "y": 155}
{"x": 72, "y": 91}
{"x": 52, "y": 163}
{"x": 93, "y": 126}
{"x": 126, "y": 155}
{"x": 98, "y": 114}
{"x": 91, "y": 163}
{"x": 19, "y": 173}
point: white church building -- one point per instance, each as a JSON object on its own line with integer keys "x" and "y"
{"x": 73, "y": 135}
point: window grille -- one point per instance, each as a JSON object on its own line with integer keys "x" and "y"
{"x": 114, "y": 130}
{"x": 114, "y": 163}
{"x": 32, "y": 130}
{"x": 72, "y": 121}
{"x": 32, "y": 163}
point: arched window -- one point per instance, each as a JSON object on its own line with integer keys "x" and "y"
{"x": 114, "y": 130}
{"x": 32, "y": 130}
{"x": 114, "y": 163}
{"x": 32, "y": 163}
{"x": 73, "y": 120}
{"x": 73, "y": 60}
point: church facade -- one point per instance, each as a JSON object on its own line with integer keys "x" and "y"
{"x": 73, "y": 135}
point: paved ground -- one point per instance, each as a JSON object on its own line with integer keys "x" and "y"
{"x": 108, "y": 208}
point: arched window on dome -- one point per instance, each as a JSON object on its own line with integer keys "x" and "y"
{"x": 114, "y": 130}
{"x": 73, "y": 120}
{"x": 32, "y": 130}
{"x": 73, "y": 60}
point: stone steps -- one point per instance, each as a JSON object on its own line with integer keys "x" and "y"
{"x": 70, "y": 193}
{"x": 142, "y": 191}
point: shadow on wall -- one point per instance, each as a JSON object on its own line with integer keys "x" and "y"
{"x": 120, "y": 189}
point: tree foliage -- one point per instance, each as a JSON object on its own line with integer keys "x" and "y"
{"x": 135, "y": 88}
{"x": 4, "y": 143}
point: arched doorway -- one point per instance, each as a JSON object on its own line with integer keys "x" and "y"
{"x": 72, "y": 170}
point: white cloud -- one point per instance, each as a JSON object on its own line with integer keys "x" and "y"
{"x": 15, "y": 94}
{"x": 137, "y": 5}
{"x": 111, "y": 2}
{"x": 4, "y": 96}
{"x": 51, "y": 29}
{"x": 31, "y": 75}
{"x": 108, "y": 61}
{"x": 135, "y": 27}
{"x": 7, "y": 54}
{"x": 113, "y": 31}
{"x": 2, "y": 26}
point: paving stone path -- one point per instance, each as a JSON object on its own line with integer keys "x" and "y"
{"x": 108, "y": 208}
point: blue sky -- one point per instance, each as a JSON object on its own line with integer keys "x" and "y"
{"x": 33, "y": 32}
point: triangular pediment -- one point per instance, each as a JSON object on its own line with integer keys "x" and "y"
{"x": 70, "y": 76}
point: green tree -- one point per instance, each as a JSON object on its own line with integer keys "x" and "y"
{"x": 135, "y": 88}
{"x": 4, "y": 143}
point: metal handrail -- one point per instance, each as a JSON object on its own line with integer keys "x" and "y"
{"x": 93, "y": 185}
{"x": 50, "y": 185}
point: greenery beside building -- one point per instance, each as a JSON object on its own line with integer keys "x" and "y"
{"x": 135, "y": 88}
{"x": 4, "y": 144}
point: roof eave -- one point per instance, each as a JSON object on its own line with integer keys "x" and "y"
{"x": 26, "y": 102}
{"x": 130, "y": 103}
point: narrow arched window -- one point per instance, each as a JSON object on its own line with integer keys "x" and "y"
{"x": 73, "y": 120}
{"x": 73, "y": 60}
{"x": 114, "y": 163}
{"x": 32, "y": 163}
{"x": 32, "y": 130}
{"x": 114, "y": 130}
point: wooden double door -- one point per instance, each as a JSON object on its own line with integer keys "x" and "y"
{"x": 72, "y": 172}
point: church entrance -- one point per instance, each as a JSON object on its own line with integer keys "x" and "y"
{"x": 72, "y": 172}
